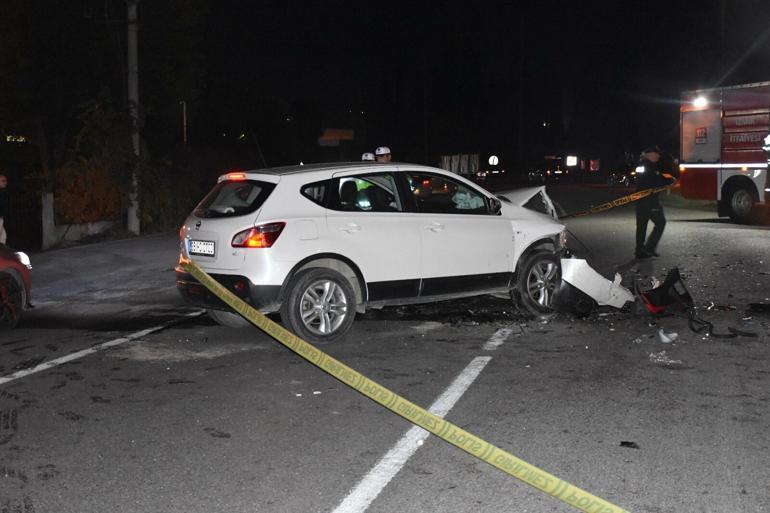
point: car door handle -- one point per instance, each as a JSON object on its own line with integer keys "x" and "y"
{"x": 350, "y": 228}
{"x": 435, "y": 227}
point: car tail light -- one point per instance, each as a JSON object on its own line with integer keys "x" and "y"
{"x": 261, "y": 236}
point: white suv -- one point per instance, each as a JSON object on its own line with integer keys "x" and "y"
{"x": 319, "y": 243}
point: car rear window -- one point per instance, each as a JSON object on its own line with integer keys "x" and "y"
{"x": 232, "y": 198}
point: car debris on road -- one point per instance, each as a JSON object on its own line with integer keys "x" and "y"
{"x": 579, "y": 274}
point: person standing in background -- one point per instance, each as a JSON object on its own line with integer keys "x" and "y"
{"x": 382, "y": 154}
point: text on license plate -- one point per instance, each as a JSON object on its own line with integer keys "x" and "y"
{"x": 202, "y": 247}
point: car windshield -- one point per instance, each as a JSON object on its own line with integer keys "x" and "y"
{"x": 232, "y": 198}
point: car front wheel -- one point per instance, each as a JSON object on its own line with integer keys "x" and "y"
{"x": 319, "y": 305}
{"x": 536, "y": 282}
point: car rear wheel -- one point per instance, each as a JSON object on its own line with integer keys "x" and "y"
{"x": 536, "y": 283}
{"x": 11, "y": 299}
{"x": 229, "y": 319}
{"x": 319, "y": 305}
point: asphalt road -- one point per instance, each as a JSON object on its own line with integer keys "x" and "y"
{"x": 196, "y": 417}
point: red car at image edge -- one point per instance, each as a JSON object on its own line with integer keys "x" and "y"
{"x": 15, "y": 285}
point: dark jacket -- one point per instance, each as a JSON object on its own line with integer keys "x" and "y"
{"x": 3, "y": 202}
{"x": 650, "y": 177}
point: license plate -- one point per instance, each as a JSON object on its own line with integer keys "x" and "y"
{"x": 202, "y": 247}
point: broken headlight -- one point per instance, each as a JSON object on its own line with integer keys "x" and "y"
{"x": 564, "y": 239}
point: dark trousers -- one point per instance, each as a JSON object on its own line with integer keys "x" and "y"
{"x": 645, "y": 212}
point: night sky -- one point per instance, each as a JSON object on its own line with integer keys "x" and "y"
{"x": 436, "y": 78}
{"x": 517, "y": 80}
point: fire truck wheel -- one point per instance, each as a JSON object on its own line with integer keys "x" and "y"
{"x": 739, "y": 203}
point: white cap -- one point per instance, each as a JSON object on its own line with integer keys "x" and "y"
{"x": 367, "y": 156}
{"x": 382, "y": 150}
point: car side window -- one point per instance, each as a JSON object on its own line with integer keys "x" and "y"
{"x": 367, "y": 193}
{"x": 436, "y": 194}
{"x": 316, "y": 192}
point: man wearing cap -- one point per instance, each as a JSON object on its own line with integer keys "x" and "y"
{"x": 382, "y": 154}
{"x": 649, "y": 176}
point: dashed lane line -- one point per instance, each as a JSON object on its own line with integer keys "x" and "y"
{"x": 364, "y": 493}
{"x": 93, "y": 349}
{"x": 497, "y": 339}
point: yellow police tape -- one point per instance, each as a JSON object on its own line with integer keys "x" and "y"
{"x": 624, "y": 200}
{"x": 445, "y": 430}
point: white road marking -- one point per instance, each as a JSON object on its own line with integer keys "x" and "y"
{"x": 497, "y": 339}
{"x": 359, "y": 499}
{"x": 91, "y": 350}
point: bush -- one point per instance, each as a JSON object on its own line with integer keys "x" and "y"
{"x": 87, "y": 194}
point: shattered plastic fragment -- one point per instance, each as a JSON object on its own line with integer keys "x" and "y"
{"x": 667, "y": 338}
{"x": 671, "y": 293}
{"x": 662, "y": 358}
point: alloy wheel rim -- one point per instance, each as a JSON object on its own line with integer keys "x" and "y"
{"x": 541, "y": 282}
{"x": 323, "y": 307}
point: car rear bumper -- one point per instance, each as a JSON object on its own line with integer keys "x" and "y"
{"x": 265, "y": 298}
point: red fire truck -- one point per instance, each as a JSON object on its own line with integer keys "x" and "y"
{"x": 721, "y": 147}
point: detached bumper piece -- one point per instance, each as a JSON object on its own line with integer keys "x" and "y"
{"x": 583, "y": 288}
{"x": 263, "y": 297}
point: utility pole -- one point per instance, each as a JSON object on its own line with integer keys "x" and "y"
{"x": 520, "y": 131}
{"x": 133, "y": 105}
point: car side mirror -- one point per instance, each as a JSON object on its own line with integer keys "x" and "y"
{"x": 495, "y": 206}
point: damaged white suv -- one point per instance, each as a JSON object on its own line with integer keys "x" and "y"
{"x": 319, "y": 243}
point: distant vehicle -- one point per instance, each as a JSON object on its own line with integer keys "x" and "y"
{"x": 622, "y": 178}
{"x": 721, "y": 135}
{"x": 15, "y": 285}
{"x": 536, "y": 176}
{"x": 319, "y": 243}
{"x": 552, "y": 169}
{"x": 557, "y": 175}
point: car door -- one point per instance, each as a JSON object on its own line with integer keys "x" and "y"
{"x": 465, "y": 246}
{"x": 368, "y": 224}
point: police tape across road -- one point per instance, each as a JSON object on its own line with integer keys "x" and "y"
{"x": 508, "y": 463}
{"x": 619, "y": 202}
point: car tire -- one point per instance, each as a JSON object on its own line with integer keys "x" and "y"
{"x": 536, "y": 282}
{"x": 11, "y": 301}
{"x": 319, "y": 305}
{"x": 739, "y": 202}
{"x": 229, "y": 319}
